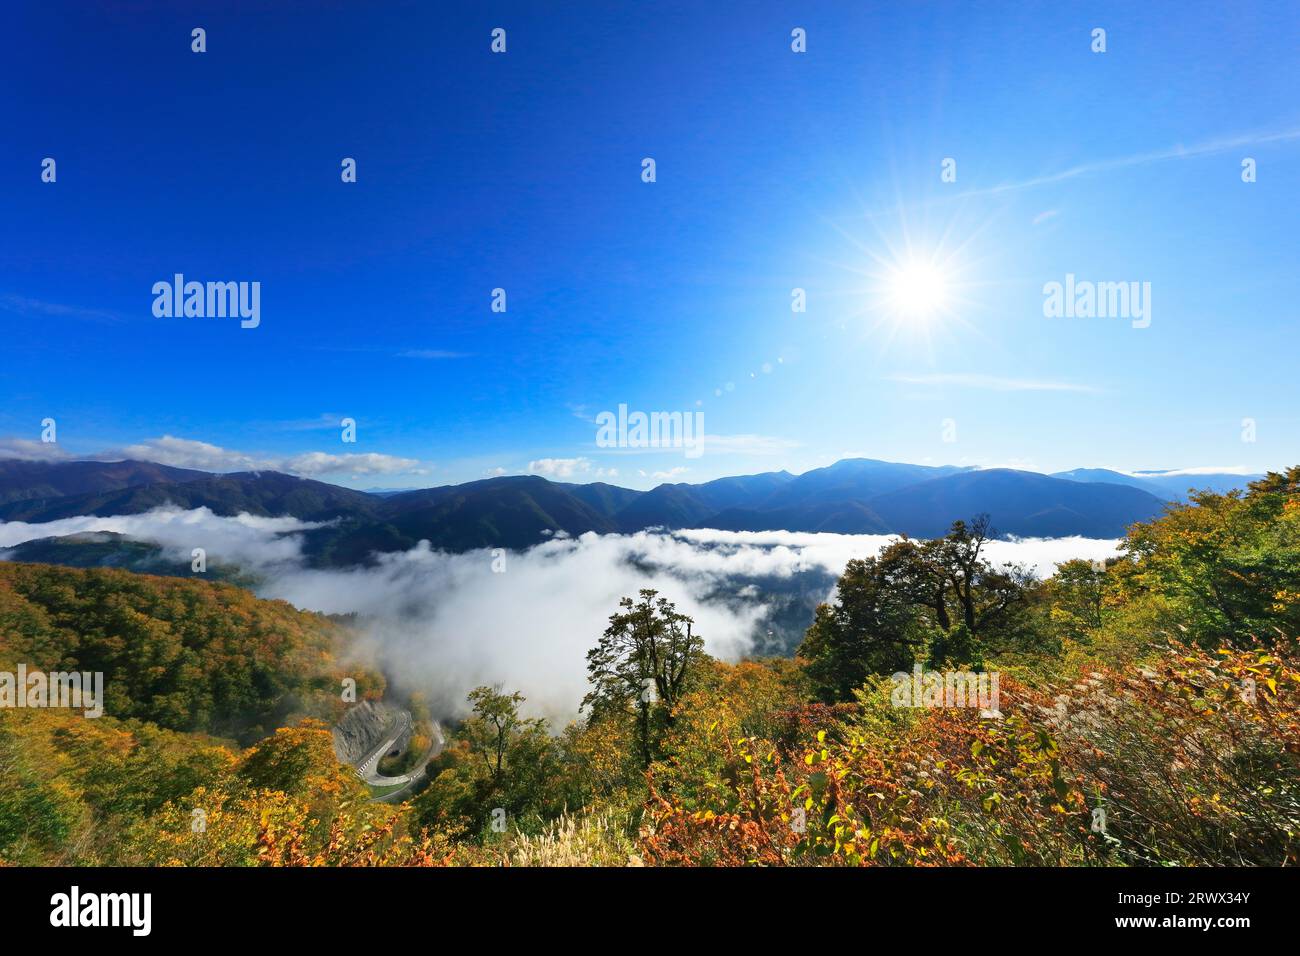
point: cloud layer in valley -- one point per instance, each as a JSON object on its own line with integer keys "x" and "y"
{"x": 259, "y": 544}
{"x": 444, "y": 623}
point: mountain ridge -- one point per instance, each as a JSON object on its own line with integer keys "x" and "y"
{"x": 851, "y": 496}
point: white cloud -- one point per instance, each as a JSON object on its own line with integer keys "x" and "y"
{"x": 369, "y": 463}
{"x": 24, "y": 449}
{"x": 559, "y": 467}
{"x": 203, "y": 456}
{"x": 781, "y": 553}
{"x": 187, "y": 453}
{"x": 253, "y": 542}
{"x": 565, "y": 468}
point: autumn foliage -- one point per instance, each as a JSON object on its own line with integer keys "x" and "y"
{"x": 1186, "y": 767}
{"x": 1148, "y": 715}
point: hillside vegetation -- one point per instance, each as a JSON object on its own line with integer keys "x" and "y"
{"x": 1148, "y": 713}
{"x": 183, "y": 654}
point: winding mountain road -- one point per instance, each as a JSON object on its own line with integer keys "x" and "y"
{"x": 368, "y": 768}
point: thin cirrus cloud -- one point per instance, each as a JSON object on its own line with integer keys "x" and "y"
{"x": 1179, "y": 151}
{"x": 25, "y": 305}
{"x": 993, "y": 383}
{"x": 748, "y": 444}
{"x": 745, "y": 444}
{"x": 1198, "y": 470}
{"x": 431, "y": 354}
{"x": 325, "y": 421}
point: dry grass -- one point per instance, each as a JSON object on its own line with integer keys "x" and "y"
{"x": 585, "y": 839}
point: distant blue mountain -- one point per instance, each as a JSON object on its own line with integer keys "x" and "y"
{"x": 1172, "y": 487}
{"x": 853, "y": 496}
{"x": 1021, "y": 503}
{"x": 36, "y": 480}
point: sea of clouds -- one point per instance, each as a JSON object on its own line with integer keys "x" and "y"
{"x": 445, "y": 623}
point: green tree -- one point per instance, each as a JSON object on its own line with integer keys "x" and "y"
{"x": 987, "y": 597}
{"x": 492, "y": 726}
{"x": 643, "y": 664}
{"x": 1077, "y": 597}
{"x": 1227, "y": 565}
{"x": 498, "y": 759}
{"x": 941, "y": 594}
{"x": 871, "y": 628}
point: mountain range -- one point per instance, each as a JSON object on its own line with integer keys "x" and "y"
{"x": 852, "y": 496}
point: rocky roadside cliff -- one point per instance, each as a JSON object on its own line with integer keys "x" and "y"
{"x": 362, "y": 729}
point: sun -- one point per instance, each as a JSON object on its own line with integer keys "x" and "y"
{"x": 914, "y": 289}
{"x": 917, "y": 290}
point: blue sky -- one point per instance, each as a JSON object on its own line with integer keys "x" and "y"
{"x": 775, "y": 171}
